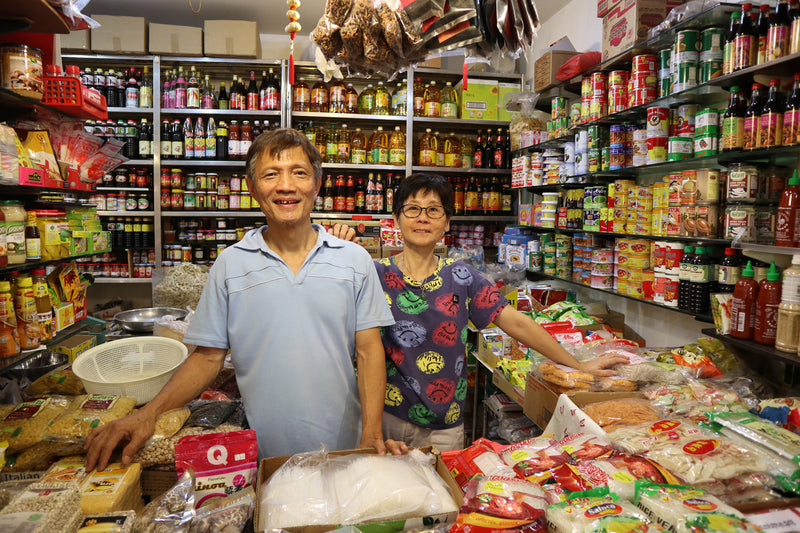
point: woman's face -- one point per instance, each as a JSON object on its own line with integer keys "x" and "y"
{"x": 423, "y": 231}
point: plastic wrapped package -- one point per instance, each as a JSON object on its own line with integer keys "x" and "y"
{"x": 44, "y": 508}
{"x": 162, "y": 452}
{"x": 62, "y": 380}
{"x": 694, "y": 399}
{"x": 317, "y": 489}
{"x": 776, "y": 439}
{"x": 751, "y": 488}
{"x": 40, "y": 456}
{"x": 565, "y": 376}
{"x": 687, "y": 510}
{"x": 598, "y": 511}
{"x": 328, "y": 37}
{"x": 173, "y": 512}
{"x": 87, "y": 412}
{"x": 651, "y": 372}
{"x": 337, "y": 10}
{"x": 170, "y": 422}
{"x": 28, "y": 422}
{"x": 533, "y": 458}
{"x": 517, "y": 428}
{"x": 229, "y": 515}
{"x": 488, "y": 501}
{"x": 10, "y": 489}
{"x": 65, "y": 471}
{"x": 639, "y": 438}
{"x": 115, "y": 488}
{"x": 585, "y": 446}
{"x": 622, "y": 412}
{"x": 116, "y": 522}
{"x": 478, "y": 459}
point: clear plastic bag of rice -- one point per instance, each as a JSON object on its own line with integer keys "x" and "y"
{"x": 181, "y": 287}
{"x": 172, "y": 328}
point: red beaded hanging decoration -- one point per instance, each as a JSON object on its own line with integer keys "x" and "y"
{"x": 292, "y": 28}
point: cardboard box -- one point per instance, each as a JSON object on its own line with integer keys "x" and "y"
{"x": 65, "y": 315}
{"x": 269, "y": 465}
{"x": 616, "y": 321}
{"x": 627, "y": 24}
{"x": 75, "y": 40}
{"x": 504, "y": 89}
{"x": 479, "y": 100}
{"x": 367, "y": 231}
{"x": 120, "y": 35}
{"x": 168, "y": 39}
{"x": 546, "y": 67}
{"x": 604, "y": 6}
{"x": 230, "y": 38}
{"x": 75, "y": 345}
{"x": 374, "y": 251}
{"x": 540, "y": 401}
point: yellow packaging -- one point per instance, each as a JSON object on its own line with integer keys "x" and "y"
{"x": 635, "y": 289}
{"x": 633, "y": 246}
{"x": 40, "y": 150}
{"x": 630, "y": 261}
{"x": 55, "y": 235}
{"x": 659, "y": 222}
{"x": 112, "y": 489}
{"x": 660, "y": 195}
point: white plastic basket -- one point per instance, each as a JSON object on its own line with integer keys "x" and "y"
{"x": 137, "y": 367}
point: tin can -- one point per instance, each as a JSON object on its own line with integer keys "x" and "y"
{"x": 687, "y": 46}
{"x": 742, "y": 183}
{"x": 598, "y": 107}
{"x": 617, "y": 158}
{"x": 685, "y": 76}
{"x": 710, "y": 69}
{"x": 593, "y": 157}
{"x": 644, "y": 63}
{"x": 680, "y": 148}
{"x": 664, "y": 61}
{"x": 617, "y": 134}
{"x": 656, "y": 150}
{"x": 705, "y": 145}
{"x": 657, "y": 121}
{"x": 605, "y": 158}
{"x": 618, "y": 78}
{"x": 599, "y": 84}
{"x": 686, "y": 116}
{"x": 740, "y": 223}
{"x": 189, "y": 200}
{"x": 711, "y": 43}
{"x": 617, "y": 99}
{"x": 559, "y": 107}
{"x": 575, "y": 114}
{"x": 664, "y": 86}
{"x": 707, "y": 221}
{"x": 706, "y": 117}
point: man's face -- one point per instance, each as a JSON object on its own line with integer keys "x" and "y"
{"x": 285, "y": 187}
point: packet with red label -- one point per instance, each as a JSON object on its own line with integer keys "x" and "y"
{"x": 495, "y": 502}
{"x": 223, "y": 463}
{"x": 478, "y": 459}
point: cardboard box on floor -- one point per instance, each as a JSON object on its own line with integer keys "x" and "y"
{"x": 169, "y": 39}
{"x": 120, "y": 35}
{"x": 269, "y": 465}
{"x": 628, "y": 22}
{"x": 540, "y": 400}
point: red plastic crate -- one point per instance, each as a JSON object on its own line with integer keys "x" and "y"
{"x": 70, "y": 96}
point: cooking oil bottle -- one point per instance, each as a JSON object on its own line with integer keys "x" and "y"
{"x": 397, "y": 152}
{"x": 452, "y": 151}
{"x": 426, "y": 154}
{"x": 449, "y": 101}
{"x": 433, "y": 101}
{"x": 358, "y": 147}
{"x": 379, "y": 146}
{"x": 383, "y": 100}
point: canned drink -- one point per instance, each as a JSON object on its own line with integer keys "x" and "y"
{"x": 685, "y": 76}
{"x": 710, "y": 69}
{"x": 559, "y": 107}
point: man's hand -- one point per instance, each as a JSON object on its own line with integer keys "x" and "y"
{"x": 135, "y": 428}
{"x": 395, "y": 447}
{"x": 599, "y": 365}
{"x": 344, "y": 232}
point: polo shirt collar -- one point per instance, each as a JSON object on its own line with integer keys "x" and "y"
{"x": 253, "y": 240}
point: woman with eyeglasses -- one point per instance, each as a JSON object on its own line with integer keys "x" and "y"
{"x": 432, "y": 299}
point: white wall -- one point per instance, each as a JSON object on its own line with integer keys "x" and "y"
{"x": 578, "y": 21}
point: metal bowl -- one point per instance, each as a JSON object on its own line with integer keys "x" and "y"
{"x": 142, "y": 320}
{"x": 38, "y": 365}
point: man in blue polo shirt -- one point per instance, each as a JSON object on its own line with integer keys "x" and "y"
{"x": 296, "y": 307}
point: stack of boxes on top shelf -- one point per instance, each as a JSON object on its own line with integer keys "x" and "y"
{"x": 626, "y": 22}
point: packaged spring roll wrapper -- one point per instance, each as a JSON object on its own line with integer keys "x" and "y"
{"x": 682, "y": 509}
{"x": 780, "y": 441}
{"x": 598, "y": 510}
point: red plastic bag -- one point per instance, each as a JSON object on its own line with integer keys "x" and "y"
{"x": 577, "y": 64}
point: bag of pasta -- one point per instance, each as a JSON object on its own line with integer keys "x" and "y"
{"x": 27, "y": 423}
{"x": 62, "y": 380}
{"x": 87, "y": 412}
{"x": 597, "y": 511}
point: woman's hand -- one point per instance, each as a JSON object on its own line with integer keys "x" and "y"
{"x": 599, "y": 365}
{"x": 344, "y": 232}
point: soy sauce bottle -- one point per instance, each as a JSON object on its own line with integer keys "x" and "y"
{"x": 770, "y": 133}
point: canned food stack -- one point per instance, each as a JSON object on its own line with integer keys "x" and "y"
{"x": 664, "y": 72}
{"x": 681, "y": 142}
{"x": 618, "y": 90}
{"x": 666, "y": 259}
{"x": 700, "y": 203}
{"x": 597, "y": 139}
{"x": 567, "y": 168}
{"x": 563, "y": 255}
{"x": 586, "y": 96}
{"x": 711, "y": 52}
{"x": 741, "y": 192}
{"x": 706, "y": 132}
{"x": 520, "y": 170}
{"x": 640, "y": 210}
{"x": 643, "y": 81}
{"x": 618, "y": 135}
{"x": 536, "y": 174}
{"x": 573, "y": 209}
{"x": 595, "y": 198}
{"x": 535, "y": 257}
{"x": 559, "y": 122}
{"x": 618, "y": 202}
{"x": 685, "y": 60}
{"x": 602, "y": 268}
{"x": 632, "y": 258}
{"x": 657, "y": 134}
{"x": 552, "y": 159}
{"x": 549, "y": 255}
{"x": 660, "y": 217}
{"x": 639, "y": 149}
{"x": 581, "y": 152}
{"x": 549, "y": 209}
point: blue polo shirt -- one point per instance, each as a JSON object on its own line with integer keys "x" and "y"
{"x": 292, "y": 338}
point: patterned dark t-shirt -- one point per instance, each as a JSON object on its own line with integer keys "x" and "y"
{"x": 426, "y": 371}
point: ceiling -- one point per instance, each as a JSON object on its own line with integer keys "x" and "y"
{"x": 269, "y": 14}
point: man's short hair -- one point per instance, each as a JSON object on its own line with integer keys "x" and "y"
{"x": 274, "y": 142}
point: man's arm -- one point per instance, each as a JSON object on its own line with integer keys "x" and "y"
{"x": 526, "y": 330}
{"x": 371, "y": 363}
{"x": 191, "y": 378}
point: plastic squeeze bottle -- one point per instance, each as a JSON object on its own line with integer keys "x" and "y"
{"x": 769, "y": 298}
{"x": 787, "y": 227}
{"x": 788, "y": 334}
{"x": 743, "y": 306}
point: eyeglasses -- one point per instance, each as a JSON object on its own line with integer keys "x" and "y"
{"x": 413, "y": 211}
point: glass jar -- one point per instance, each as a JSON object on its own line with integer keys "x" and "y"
{"x": 15, "y": 218}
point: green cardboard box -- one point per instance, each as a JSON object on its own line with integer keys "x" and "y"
{"x": 479, "y": 99}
